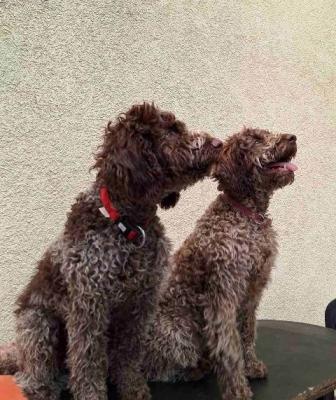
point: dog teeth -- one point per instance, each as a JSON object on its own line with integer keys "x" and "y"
{"x": 258, "y": 163}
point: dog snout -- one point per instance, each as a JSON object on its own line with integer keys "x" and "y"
{"x": 290, "y": 138}
{"x": 216, "y": 143}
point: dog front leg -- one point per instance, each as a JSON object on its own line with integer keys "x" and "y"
{"x": 38, "y": 338}
{"x": 87, "y": 352}
{"x": 225, "y": 350}
{"x": 254, "y": 368}
{"x": 126, "y": 367}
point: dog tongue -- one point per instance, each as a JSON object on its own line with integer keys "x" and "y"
{"x": 285, "y": 165}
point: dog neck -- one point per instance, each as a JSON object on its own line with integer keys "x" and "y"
{"x": 139, "y": 213}
{"x": 254, "y": 208}
{"x": 258, "y": 203}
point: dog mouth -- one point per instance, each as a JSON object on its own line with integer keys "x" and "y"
{"x": 206, "y": 153}
{"x": 284, "y": 164}
{"x": 212, "y": 156}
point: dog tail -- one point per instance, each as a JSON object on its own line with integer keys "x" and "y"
{"x": 8, "y": 359}
{"x": 169, "y": 348}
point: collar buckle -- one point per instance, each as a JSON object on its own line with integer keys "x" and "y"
{"x": 143, "y": 235}
{"x": 129, "y": 231}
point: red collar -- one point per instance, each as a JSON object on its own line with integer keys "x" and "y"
{"x": 258, "y": 218}
{"x": 131, "y": 232}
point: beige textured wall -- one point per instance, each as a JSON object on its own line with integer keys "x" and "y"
{"x": 69, "y": 65}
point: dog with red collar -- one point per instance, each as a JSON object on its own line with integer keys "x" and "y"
{"x": 96, "y": 285}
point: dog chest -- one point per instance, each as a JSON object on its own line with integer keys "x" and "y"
{"x": 262, "y": 249}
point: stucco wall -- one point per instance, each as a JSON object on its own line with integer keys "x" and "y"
{"x": 67, "y": 66}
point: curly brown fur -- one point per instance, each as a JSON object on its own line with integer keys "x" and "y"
{"x": 93, "y": 288}
{"x": 8, "y": 359}
{"x": 208, "y": 301}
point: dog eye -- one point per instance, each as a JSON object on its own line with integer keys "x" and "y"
{"x": 174, "y": 128}
{"x": 197, "y": 144}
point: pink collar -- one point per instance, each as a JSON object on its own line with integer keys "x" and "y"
{"x": 258, "y": 218}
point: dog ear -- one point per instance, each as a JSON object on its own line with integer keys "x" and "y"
{"x": 170, "y": 200}
{"x": 233, "y": 172}
{"x": 143, "y": 118}
{"x": 140, "y": 117}
{"x": 126, "y": 161}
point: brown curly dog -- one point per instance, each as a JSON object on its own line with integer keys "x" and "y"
{"x": 99, "y": 279}
{"x": 207, "y": 309}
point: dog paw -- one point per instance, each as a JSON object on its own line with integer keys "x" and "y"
{"x": 236, "y": 388}
{"x": 238, "y": 393}
{"x": 256, "y": 369}
{"x": 136, "y": 393}
{"x": 34, "y": 390}
{"x": 41, "y": 394}
{"x": 243, "y": 392}
{"x": 191, "y": 375}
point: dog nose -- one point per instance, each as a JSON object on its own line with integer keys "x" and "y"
{"x": 290, "y": 138}
{"x": 216, "y": 143}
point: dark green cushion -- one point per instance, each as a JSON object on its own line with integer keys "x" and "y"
{"x": 301, "y": 359}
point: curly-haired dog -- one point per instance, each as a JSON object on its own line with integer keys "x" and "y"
{"x": 208, "y": 300}
{"x": 103, "y": 272}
